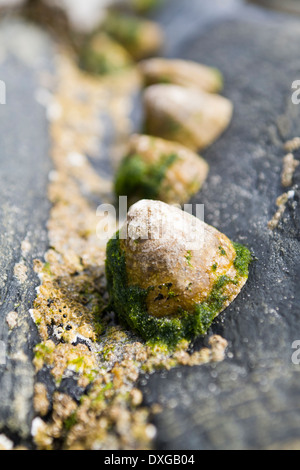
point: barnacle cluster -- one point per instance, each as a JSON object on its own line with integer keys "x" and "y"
{"x": 158, "y": 286}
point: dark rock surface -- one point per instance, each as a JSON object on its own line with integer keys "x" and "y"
{"x": 251, "y": 399}
{"x": 24, "y": 168}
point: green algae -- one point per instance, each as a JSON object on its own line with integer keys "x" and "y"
{"x": 47, "y": 269}
{"x": 125, "y": 29}
{"x": 220, "y": 79}
{"x": 100, "y": 63}
{"x": 71, "y": 421}
{"x": 243, "y": 259}
{"x": 189, "y": 258}
{"x": 138, "y": 179}
{"x": 129, "y": 302}
{"x": 42, "y": 351}
{"x": 222, "y": 251}
{"x": 101, "y": 55}
{"x": 144, "y": 6}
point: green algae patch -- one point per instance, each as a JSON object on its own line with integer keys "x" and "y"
{"x": 158, "y": 169}
{"x": 71, "y": 421}
{"x": 189, "y": 258}
{"x": 130, "y": 302}
{"x": 126, "y": 30}
{"x": 101, "y": 55}
{"x": 140, "y": 37}
{"x": 138, "y": 179}
{"x": 219, "y": 78}
{"x": 243, "y": 259}
{"x": 143, "y": 6}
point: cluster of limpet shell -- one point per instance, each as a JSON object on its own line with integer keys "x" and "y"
{"x": 79, "y": 337}
{"x": 183, "y": 114}
{"x": 184, "y": 111}
{"x": 159, "y": 285}
{"x": 121, "y": 39}
{"x": 168, "y": 273}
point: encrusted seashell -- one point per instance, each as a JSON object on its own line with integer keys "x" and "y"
{"x": 181, "y": 72}
{"x": 158, "y": 169}
{"x": 188, "y": 116}
{"x": 101, "y": 55}
{"x": 169, "y": 274}
{"x": 141, "y": 38}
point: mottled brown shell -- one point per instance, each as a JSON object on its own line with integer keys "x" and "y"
{"x": 188, "y": 116}
{"x": 183, "y": 178}
{"x": 181, "y": 72}
{"x": 177, "y": 255}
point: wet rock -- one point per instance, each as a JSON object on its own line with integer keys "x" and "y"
{"x": 169, "y": 274}
{"x": 141, "y": 38}
{"x": 181, "y": 72}
{"x": 24, "y": 208}
{"x": 185, "y": 19}
{"x": 250, "y": 401}
{"x": 101, "y": 55}
{"x": 159, "y": 169}
{"x": 191, "y": 117}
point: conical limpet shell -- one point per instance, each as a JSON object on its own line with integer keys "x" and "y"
{"x": 141, "y": 38}
{"x": 181, "y": 72}
{"x": 188, "y": 116}
{"x": 158, "y": 169}
{"x": 101, "y": 55}
{"x": 169, "y": 274}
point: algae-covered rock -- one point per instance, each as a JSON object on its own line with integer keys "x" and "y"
{"x": 101, "y": 55}
{"x": 188, "y": 116}
{"x": 158, "y": 169}
{"x": 169, "y": 274}
{"x": 141, "y": 38}
{"x": 144, "y": 6}
{"x": 181, "y": 72}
